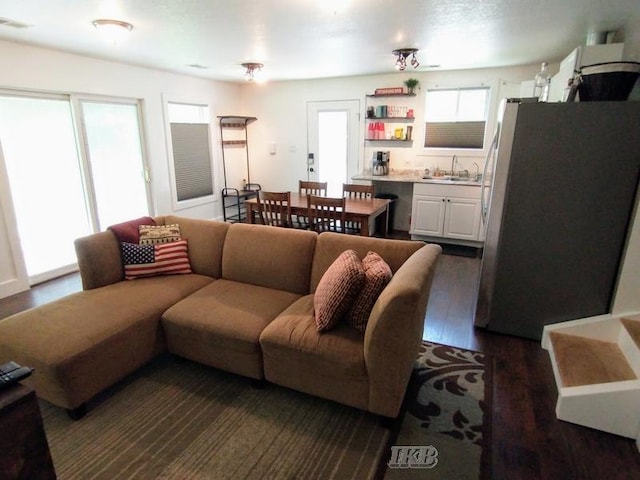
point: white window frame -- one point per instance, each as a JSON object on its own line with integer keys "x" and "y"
{"x": 487, "y": 121}
{"x": 192, "y": 202}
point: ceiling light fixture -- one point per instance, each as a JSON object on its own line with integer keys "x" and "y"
{"x": 402, "y": 54}
{"x": 254, "y": 71}
{"x": 113, "y": 31}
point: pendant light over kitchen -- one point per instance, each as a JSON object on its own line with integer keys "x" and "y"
{"x": 402, "y": 54}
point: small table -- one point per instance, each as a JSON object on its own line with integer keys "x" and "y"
{"x": 24, "y": 451}
{"x": 362, "y": 210}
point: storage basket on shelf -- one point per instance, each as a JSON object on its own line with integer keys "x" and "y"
{"x": 610, "y": 81}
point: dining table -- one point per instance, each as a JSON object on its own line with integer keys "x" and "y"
{"x": 361, "y": 210}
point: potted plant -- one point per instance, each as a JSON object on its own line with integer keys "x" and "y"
{"x": 411, "y": 84}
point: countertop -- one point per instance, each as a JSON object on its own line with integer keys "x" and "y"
{"x": 413, "y": 178}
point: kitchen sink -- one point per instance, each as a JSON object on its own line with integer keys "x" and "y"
{"x": 450, "y": 179}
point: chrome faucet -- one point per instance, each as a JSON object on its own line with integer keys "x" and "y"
{"x": 477, "y": 175}
{"x": 454, "y": 161}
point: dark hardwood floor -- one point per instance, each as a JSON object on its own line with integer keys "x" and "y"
{"x": 528, "y": 442}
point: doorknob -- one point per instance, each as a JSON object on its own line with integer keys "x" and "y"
{"x": 311, "y": 169}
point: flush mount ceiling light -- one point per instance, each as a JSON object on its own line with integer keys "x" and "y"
{"x": 402, "y": 54}
{"x": 113, "y": 31}
{"x": 254, "y": 71}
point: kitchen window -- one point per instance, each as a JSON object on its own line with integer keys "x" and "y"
{"x": 456, "y": 117}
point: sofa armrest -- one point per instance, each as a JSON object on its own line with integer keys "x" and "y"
{"x": 99, "y": 260}
{"x": 394, "y": 332}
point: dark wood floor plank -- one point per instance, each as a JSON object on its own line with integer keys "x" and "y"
{"x": 528, "y": 441}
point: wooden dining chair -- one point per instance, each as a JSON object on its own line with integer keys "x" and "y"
{"x": 350, "y": 190}
{"x": 309, "y": 188}
{"x": 326, "y": 214}
{"x": 312, "y": 188}
{"x": 274, "y": 208}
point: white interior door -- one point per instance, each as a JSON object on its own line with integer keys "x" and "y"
{"x": 333, "y": 143}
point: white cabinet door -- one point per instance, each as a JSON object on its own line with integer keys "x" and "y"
{"x": 427, "y": 216}
{"x": 462, "y": 218}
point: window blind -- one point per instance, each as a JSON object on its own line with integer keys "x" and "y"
{"x": 454, "y": 134}
{"x": 191, "y": 160}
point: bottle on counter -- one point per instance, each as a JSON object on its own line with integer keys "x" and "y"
{"x": 542, "y": 82}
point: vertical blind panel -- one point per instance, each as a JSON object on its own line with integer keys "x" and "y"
{"x": 191, "y": 160}
{"x": 454, "y": 134}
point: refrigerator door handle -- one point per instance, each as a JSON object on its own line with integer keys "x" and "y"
{"x": 485, "y": 205}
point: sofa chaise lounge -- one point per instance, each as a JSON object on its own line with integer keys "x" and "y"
{"x": 247, "y": 307}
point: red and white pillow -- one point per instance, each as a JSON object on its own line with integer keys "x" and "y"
{"x": 349, "y": 289}
{"x": 148, "y": 249}
{"x": 149, "y": 260}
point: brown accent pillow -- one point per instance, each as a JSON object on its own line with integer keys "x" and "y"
{"x": 128, "y": 231}
{"x": 337, "y": 289}
{"x": 155, "y": 234}
{"x": 377, "y": 276}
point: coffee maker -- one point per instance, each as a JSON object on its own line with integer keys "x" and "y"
{"x": 380, "y": 163}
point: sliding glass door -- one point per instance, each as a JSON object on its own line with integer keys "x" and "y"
{"x": 42, "y": 163}
{"x": 66, "y": 182}
{"x": 114, "y": 151}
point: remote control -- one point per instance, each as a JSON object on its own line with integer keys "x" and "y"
{"x": 11, "y": 373}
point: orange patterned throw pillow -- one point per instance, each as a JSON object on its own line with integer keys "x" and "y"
{"x": 377, "y": 276}
{"x": 337, "y": 289}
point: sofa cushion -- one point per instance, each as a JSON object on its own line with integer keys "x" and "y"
{"x": 220, "y": 325}
{"x": 83, "y": 343}
{"x": 154, "y": 234}
{"x": 330, "y": 245}
{"x": 286, "y": 266}
{"x": 206, "y": 241}
{"x": 338, "y": 289}
{"x": 150, "y": 260}
{"x": 330, "y": 364}
{"x": 377, "y": 275}
{"x": 294, "y": 333}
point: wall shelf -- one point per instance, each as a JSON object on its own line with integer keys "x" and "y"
{"x": 373, "y": 95}
{"x": 393, "y": 119}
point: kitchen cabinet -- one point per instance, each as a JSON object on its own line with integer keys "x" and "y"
{"x": 446, "y": 211}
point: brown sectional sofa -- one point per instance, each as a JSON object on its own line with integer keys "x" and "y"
{"x": 247, "y": 308}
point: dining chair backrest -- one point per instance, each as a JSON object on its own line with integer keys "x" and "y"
{"x": 275, "y": 208}
{"x": 312, "y": 188}
{"x": 326, "y": 214}
{"x": 350, "y": 190}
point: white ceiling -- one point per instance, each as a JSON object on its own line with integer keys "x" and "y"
{"x": 298, "y": 39}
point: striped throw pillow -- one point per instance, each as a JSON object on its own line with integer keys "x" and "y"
{"x": 149, "y": 260}
{"x": 377, "y": 276}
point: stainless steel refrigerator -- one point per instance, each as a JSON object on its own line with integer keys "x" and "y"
{"x": 560, "y": 187}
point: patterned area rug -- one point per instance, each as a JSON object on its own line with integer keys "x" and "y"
{"x": 177, "y": 419}
{"x": 447, "y": 417}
